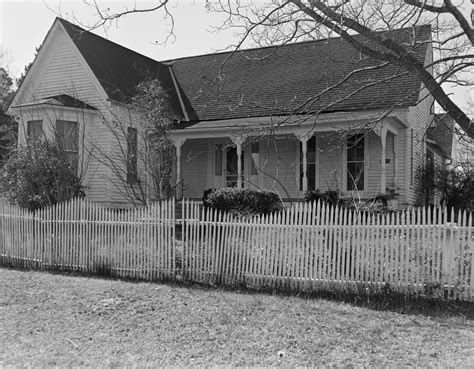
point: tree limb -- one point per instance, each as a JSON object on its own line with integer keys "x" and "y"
{"x": 395, "y": 53}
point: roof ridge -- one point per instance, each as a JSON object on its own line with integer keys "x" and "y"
{"x": 170, "y": 61}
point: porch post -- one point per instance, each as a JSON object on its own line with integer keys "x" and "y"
{"x": 304, "y": 146}
{"x": 178, "y": 143}
{"x": 383, "y": 178}
{"x": 395, "y": 160}
{"x": 238, "y": 141}
{"x": 304, "y": 150}
{"x": 239, "y": 165}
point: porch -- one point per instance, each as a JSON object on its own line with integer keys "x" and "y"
{"x": 351, "y": 156}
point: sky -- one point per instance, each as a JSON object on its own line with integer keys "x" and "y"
{"x": 25, "y": 23}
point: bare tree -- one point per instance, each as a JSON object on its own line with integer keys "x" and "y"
{"x": 8, "y": 126}
{"x": 364, "y": 24}
{"x": 140, "y": 162}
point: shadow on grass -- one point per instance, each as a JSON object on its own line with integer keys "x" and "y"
{"x": 387, "y": 300}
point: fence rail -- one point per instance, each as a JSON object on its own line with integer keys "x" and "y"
{"x": 306, "y": 247}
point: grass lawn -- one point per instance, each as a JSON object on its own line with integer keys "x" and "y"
{"x": 57, "y": 320}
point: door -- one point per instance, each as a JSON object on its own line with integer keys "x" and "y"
{"x": 231, "y": 167}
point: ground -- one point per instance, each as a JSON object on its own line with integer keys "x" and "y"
{"x": 57, "y": 320}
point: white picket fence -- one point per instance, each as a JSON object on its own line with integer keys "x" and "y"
{"x": 306, "y": 247}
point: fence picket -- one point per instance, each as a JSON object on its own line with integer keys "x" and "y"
{"x": 311, "y": 245}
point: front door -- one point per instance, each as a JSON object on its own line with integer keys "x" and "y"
{"x": 231, "y": 172}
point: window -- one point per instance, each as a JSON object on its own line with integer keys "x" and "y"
{"x": 132, "y": 158}
{"x": 355, "y": 163}
{"x": 310, "y": 164}
{"x": 218, "y": 160}
{"x": 255, "y": 159}
{"x": 34, "y": 129}
{"x": 68, "y": 140}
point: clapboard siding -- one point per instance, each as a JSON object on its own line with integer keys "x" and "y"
{"x": 331, "y": 163}
{"x": 64, "y": 72}
{"x": 419, "y": 119}
{"x": 401, "y": 170}
{"x": 278, "y": 161}
{"x": 60, "y": 69}
{"x": 194, "y": 167}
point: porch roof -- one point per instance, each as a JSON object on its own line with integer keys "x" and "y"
{"x": 293, "y": 125}
{"x": 58, "y": 100}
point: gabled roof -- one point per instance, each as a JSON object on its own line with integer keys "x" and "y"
{"x": 442, "y": 133}
{"x": 118, "y": 69}
{"x": 286, "y": 79}
{"x": 59, "y": 100}
{"x": 302, "y": 78}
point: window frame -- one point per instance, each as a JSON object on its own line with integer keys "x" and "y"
{"x": 29, "y": 130}
{"x": 132, "y": 156}
{"x": 71, "y": 152}
{"x": 349, "y": 185}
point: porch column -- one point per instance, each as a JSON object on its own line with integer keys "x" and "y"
{"x": 239, "y": 165}
{"x": 178, "y": 143}
{"x": 238, "y": 141}
{"x": 383, "y": 178}
{"x": 304, "y": 146}
{"x": 395, "y": 161}
{"x": 304, "y": 150}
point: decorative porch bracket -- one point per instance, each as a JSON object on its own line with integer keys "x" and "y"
{"x": 178, "y": 143}
{"x": 238, "y": 141}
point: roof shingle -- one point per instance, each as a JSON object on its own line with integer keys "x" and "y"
{"x": 297, "y": 78}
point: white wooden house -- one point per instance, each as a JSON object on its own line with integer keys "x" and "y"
{"x": 305, "y": 116}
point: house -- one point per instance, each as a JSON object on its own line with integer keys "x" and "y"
{"x": 293, "y": 118}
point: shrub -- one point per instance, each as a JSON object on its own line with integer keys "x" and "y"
{"x": 454, "y": 185}
{"x": 242, "y": 201}
{"x": 205, "y": 196}
{"x": 332, "y": 197}
{"x": 377, "y": 204}
{"x": 39, "y": 175}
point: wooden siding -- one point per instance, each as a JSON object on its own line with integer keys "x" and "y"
{"x": 194, "y": 167}
{"x": 331, "y": 162}
{"x": 278, "y": 159}
{"x": 419, "y": 119}
{"x": 60, "y": 69}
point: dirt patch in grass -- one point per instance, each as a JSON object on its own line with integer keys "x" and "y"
{"x": 48, "y": 320}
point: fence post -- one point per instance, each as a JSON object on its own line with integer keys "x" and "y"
{"x": 448, "y": 255}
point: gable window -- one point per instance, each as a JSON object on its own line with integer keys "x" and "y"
{"x": 132, "y": 158}
{"x": 68, "y": 140}
{"x": 34, "y": 130}
{"x": 310, "y": 164}
{"x": 355, "y": 163}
